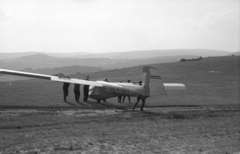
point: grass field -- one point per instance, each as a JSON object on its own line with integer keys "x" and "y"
{"x": 164, "y": 130}
{"x": 204, "y": 119}
{"x": 211, "y": 81}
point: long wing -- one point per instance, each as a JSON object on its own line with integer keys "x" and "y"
{"x": 50, "y": 77}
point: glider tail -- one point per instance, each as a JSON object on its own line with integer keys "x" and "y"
{"x": 146, "y": 80}
{"x": 158, "y": 87}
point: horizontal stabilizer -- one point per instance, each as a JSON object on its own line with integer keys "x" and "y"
{"x": 174, "y": 86}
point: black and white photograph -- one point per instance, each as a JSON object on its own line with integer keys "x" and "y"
{"x": 119, "y": 76}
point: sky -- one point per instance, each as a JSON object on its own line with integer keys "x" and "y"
{"x": 118, "y": 25}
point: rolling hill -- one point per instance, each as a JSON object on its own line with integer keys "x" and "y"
{"x": 22, "y": 54}
{"x": 16, "y": 55}
{"x": 36, "y": 58}
{"x": 234, "y": 54}
{"x": 38, "y": 61}
{"x": 44, "y": 61}
{"x": 156, "y": 53}
{"x": 210, "y": 81}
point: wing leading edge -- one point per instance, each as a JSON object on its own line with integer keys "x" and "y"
{"x": 50, "y": 77}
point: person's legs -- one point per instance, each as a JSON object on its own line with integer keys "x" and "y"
{"x": 64, "y": 97}
{"x": 86, "y": 98}
{"x": 138, "y": 99}
{"x": 123, "y": 99}
{"x": 129, "y": 99}
{"x": 119, "y": 99}
{"x": 143, "y": 104}
{"x": 76, "y": 95}
{"x": 65, "y": 94}
{"x": 85, "y": 92}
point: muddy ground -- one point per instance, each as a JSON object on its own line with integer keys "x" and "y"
{"x": 173, "y": 130}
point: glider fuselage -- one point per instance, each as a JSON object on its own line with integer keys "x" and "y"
{"x": 110, "y": 90}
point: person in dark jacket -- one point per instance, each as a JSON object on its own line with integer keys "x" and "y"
{"x": 129, "y": 98}
{"x": 106, "y": 80}
{"x": 77, "y": 92}
{"x": 140, "y": 98}
{"x": 85, "y": 91}
{"x": 119, "y": 97}
{"x": 65, "y": 90}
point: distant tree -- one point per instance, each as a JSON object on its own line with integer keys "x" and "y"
{"x": 183, "y": 60}
{"x": 193, "y": 59}
{"x": 59, "y": 74}
{"x": 233, "y": 55}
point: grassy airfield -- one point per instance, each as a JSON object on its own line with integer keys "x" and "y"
{"x": 211, "y": 81}
{"x": 202, "y": 119}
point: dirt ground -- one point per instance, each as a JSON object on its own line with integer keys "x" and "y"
{"x": 170, "y": 130}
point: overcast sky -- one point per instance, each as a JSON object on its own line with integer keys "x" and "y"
{"x": 118, "y": 25}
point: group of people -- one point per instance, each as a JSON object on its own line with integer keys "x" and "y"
{"x": 86, "y": 89}
{"x": 76, "y": 90}
{"x": 129, "y": 98}
{"x": 122, "y": 98}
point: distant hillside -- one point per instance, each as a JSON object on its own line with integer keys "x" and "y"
{"x": 156, "y": 53}
{"x": 37, "y": 61}
{"x": 143, "y": 61}
{"x": 107, "y": 60}
{"x": 213, "y": 80}
{"x": 16, "y": 55}
{"x": 51, "y": 62}
{"x": 123, "y": 55}
{"x": 224, "y": 65}
{"x": 22, "y": 54}
{"x": 210, "y": 81}
{"x": 68, "y": 54}
{"x": 36, "y": 58}
{"x": 234, "y": 54}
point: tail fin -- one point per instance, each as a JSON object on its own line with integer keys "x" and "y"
{"x": 146, "y": 76}
{"x": 146, "y": 79}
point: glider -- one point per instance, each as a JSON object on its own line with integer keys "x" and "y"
{"x": 100, "y": 90}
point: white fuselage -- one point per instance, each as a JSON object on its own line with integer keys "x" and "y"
{"x": 110, "y": 90}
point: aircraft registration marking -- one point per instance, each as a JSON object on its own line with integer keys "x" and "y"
{"x": 119, "y": 90}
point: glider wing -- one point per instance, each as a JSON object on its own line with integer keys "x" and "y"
{"x": 51, "y": 77}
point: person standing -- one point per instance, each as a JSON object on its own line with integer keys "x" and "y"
{"x": 129, "y": 98}
{"x": 85, "y": 91}
{"x": 143, "y": 103}
{"x": 77, "y": 92}
{"x": 104, "y": 99}
{"x": 65, "y": 90}
{"x": 119, "y": 97}
{"x": 138, "y": 99}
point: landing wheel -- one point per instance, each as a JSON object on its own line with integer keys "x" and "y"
{"x": 99, "y": 101}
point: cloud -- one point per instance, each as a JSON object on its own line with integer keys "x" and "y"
{"x": 7, "y": 15}
{"x": 3, "y": 15}
{"x": 223, "y": 21}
